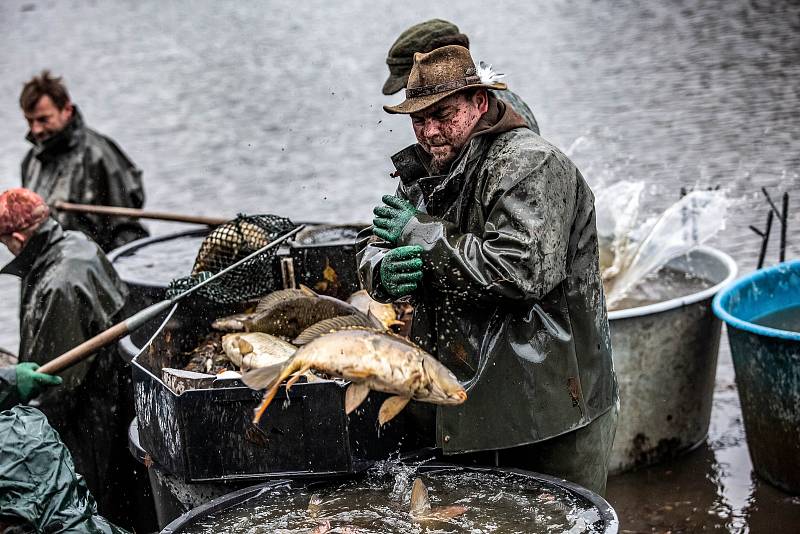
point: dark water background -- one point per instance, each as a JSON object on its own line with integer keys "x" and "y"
{"x": 276, "y": 107}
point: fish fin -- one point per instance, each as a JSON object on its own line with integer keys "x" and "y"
{"x": 244, "y": 347}
{"x": 263, "y": 377}
{"x": 373, "y": 321}
{"x": 420, "y": 502}
{"x": 308, "y": 291}
{"x": 354, "y": 396}
{"x": 296, "y": 377}
{"x": 271, "y": 377}
{"x": 391, "y": 407}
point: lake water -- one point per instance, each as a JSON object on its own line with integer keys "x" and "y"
{"x": 276, "y": 107}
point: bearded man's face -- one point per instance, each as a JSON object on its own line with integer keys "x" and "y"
{"x": 444, "y": 128}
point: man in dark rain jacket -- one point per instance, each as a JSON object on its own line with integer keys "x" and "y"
{"x": 70, "y": 292}
{"x": 72, "y": 163}
{"x": 492, "y": 235}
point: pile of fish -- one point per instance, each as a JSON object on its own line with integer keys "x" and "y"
{"x": 294, "y": 333}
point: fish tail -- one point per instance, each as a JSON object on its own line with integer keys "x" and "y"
{"x": 268, "y": 377}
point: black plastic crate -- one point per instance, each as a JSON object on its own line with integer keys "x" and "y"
{"x": 207, "y": 434}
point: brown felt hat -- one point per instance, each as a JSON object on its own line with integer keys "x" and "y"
{"x": 437, "y": 75}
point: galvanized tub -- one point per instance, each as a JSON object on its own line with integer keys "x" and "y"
{"x": 767, "y": 365}
{"x": 665, "y": 357}
{"x": 606, "y": 518}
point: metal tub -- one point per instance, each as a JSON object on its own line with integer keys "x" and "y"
{"x": 606, "y": 522}
{"x": 665, "y": 357}
{"x": 767, "y": 365}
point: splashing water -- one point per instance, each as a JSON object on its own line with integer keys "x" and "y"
{"x": 379, "y": 502}
{"x": 630, "y": 251}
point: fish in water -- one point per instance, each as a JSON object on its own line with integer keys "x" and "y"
{"x": 421, "y": 509}
{"x": 370, "y": 360}
{"x": 366, "y": 304}
{"x": 254, "y": 350}
{"x": 336, "y": 323}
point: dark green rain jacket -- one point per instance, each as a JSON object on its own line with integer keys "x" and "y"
{"x": 70, "y": 292}
{"x": 39, "y": 489}
{"x": 512, "y": 300}
{"x": 82, "y": 166}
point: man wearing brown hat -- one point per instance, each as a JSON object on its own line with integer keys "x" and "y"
{"x": 492, "y": 236}
{"x": 70, "y": 292}
{"x": 73, "y": 163}
{"x": 430, "y": 35}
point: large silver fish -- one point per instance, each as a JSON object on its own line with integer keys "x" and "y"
{"x": 371, "y": 360}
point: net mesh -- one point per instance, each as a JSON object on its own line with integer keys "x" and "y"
{"x": 226, "y": 245}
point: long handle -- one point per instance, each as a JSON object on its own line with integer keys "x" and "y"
{"x": 103, "y": 339}
{"x": 136, "y": 321}
{"x": 116, "y": 211}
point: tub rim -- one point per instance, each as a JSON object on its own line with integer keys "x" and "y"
{"x": 603, "y": 507}
{"x": 671, "y": 304}
{"x": 720, "y": 301}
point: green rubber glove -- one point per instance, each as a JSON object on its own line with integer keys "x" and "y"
{"x": 392, "y": 217}
{"x": 401, "y": 270}
{"x": 30, "y": 383}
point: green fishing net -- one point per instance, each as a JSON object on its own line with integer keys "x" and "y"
{"x": 226, "y": 245}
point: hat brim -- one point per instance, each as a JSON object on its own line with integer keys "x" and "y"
{"x": 416, "y": 104}
{"x": 394, "y": 84}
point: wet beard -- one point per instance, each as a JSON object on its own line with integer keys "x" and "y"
{"x": 441, "y": 164}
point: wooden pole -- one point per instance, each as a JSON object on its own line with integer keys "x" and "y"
{"x": 784, "y": 221}
{"x": 116, "y": 211}
{"x": 765, "y": 240}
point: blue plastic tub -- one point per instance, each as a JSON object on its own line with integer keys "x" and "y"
{"x": 767, "y": 365}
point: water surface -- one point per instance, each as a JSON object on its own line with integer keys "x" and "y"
{"x": 276, "y": 107}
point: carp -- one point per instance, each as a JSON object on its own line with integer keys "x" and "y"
{"x": 237, "y": 322}
{"x": 366, "y": 304}
{"x": 288, "y": 314}
{"x": 336, "y": 323}
{"x": 254, "y": 350}
{"x": 370, "y": 360}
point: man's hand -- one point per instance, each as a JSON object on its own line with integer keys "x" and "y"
{"x": 392, "y": 217}
{"x": 401, "y": 270}
{"x": 30, "y": 383}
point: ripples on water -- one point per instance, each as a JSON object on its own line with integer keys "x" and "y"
{"x": 495, "y": 503}
{"x": 251, "y": 107}
{"x": 247, "y": 107}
